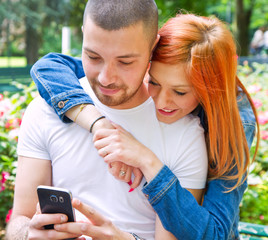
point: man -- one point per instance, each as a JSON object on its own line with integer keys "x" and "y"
{"x": 118, "y": 38}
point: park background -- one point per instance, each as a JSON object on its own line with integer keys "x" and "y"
{"x": 29, "y": 29}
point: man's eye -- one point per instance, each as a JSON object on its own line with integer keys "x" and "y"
{"x": 93, "y": 58}
{"x": 180, "y": 93}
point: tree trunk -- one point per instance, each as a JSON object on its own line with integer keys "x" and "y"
{"x": 32, "y": 45}
{"x": 32, "y": 35}
{"x": 243, "y": 16}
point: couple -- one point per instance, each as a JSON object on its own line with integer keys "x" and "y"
{"x": 193, "y": 71}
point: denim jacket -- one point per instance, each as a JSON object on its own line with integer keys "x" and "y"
{"x": 56, "y": 77}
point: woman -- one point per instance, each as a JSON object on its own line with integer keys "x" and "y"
{"x": 206, "y": 50}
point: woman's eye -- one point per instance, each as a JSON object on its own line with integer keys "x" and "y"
{"x": 180, "y": 93}
{"x": 152, "y": 82}
{"x": 126, "y": 63}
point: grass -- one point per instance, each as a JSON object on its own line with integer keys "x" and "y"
{"x": 13, "y": 62}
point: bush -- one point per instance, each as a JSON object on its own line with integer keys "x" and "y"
{"x": 254, "y": 207}
{"x": 12, "y": 107}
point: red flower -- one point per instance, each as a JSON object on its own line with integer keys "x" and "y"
{"x": 8, "y": 216}
{"x": 5, "y": 176}
{"x": 264, "y": 135}
{"x": 263, "y": 117}
{"x": 257, "y": 103}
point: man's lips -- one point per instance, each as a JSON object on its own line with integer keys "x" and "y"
{"x": 166, "y": 112}
{"x": 108, "y": 91}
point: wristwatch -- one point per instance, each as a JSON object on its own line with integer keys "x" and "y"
{"x": 137, "y": 237}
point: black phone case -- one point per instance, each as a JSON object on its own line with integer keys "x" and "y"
{"x": 55, "y": 201}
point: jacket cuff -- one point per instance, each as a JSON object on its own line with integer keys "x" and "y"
{"x": 159, "y": 185}
{"x": 65, "y": 101}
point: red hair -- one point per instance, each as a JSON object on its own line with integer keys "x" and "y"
{"x": 208, "y": 50}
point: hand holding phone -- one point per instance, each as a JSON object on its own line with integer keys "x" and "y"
{"x": 55, "y": 200}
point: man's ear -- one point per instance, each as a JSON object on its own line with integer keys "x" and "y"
{"x": 154, "y": 45}
{"x": 155, "y": 42}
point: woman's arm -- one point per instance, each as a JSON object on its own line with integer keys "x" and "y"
{"x": 180, "y": 214}
{"x": 57, "y": 79}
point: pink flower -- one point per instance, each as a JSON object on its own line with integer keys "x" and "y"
{"x": 261, "y": 217}
{"x": 8, "y": 216}
{"x": 13, "y": 123}
{"x": 264, "y": 135}
{"x": 254, "y": 88}
{"x": 5, "y": 176}
{"x": 263, "y": 117}
{"x": 1, "y": 96}
{"x": 257, "y": 102}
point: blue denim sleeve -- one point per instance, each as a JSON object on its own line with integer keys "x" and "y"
{"x": 178, "y": 210}
{"x": 57, "y": 79}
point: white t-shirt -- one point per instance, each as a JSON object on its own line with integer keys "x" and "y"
{"x": 77, "y": 166}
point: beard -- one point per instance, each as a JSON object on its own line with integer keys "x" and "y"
{"x": 124, "y": 95}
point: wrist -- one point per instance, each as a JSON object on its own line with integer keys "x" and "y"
{"x": 151, "y": 166}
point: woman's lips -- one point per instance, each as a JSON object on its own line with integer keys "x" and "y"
{"x": 166, "y": 112}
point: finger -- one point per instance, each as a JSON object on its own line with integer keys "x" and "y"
{"x": 137, "y": 179}
{"x": 95, "y": 217}
{"x": 80, "y": 228}
{"x": 102, "y": 133}
{"x": 127, "y": 178}
{"x": 38, "y": 210}
{"x": 40, "y": 220}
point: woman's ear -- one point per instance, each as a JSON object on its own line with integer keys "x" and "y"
{"x": 82, "y": 28}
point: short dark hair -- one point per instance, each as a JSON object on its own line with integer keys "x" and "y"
{"x": 117, "y": 14}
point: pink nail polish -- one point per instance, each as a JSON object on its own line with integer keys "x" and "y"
{"x": 131, "y": 189}
{"x": 130, "y": 182}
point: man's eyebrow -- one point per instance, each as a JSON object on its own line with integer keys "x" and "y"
{"x": 89, "y": 50}
{"x": 130, "y": 55}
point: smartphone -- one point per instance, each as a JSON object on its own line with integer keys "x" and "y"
{"x": 55, "y": 200}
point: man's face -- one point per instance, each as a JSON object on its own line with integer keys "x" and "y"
{"x": 115, "y": 63}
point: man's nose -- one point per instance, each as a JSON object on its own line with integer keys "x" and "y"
{"x": 107, "y": 75}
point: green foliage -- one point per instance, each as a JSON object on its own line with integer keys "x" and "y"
{"x": 254, "y": 206}
{"x": 12, "y": 107}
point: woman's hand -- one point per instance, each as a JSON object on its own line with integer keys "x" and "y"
{"x": 123, "y": 172}
{"x": 98, "y": 227}
{"x": 119, "y": 145}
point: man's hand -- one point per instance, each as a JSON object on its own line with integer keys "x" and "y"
{"x": 98, "y": 227}
{"x": 38, "y": 221}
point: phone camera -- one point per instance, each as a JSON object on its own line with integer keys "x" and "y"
{"x": 61, "y": 199}
{"x": 53, "y": 198}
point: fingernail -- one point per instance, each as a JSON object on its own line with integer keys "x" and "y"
{"x": 63, "y": 219}
{"x": 130, "y": 182}
{"x": 56, "y": 226}
{"x": 131, "y": 189}
{"x": 83, "y": 227}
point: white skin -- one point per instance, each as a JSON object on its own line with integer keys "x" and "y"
{"x": 174, "y": 98}
{"x": 112, "y": 60}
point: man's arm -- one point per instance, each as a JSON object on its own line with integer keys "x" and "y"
{"x": 30, "y": 173}
{"x": 26, "y": 221}
{"x": 57, "y": 79}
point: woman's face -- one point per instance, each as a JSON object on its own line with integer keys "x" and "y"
{"x": 173, "y": 95}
